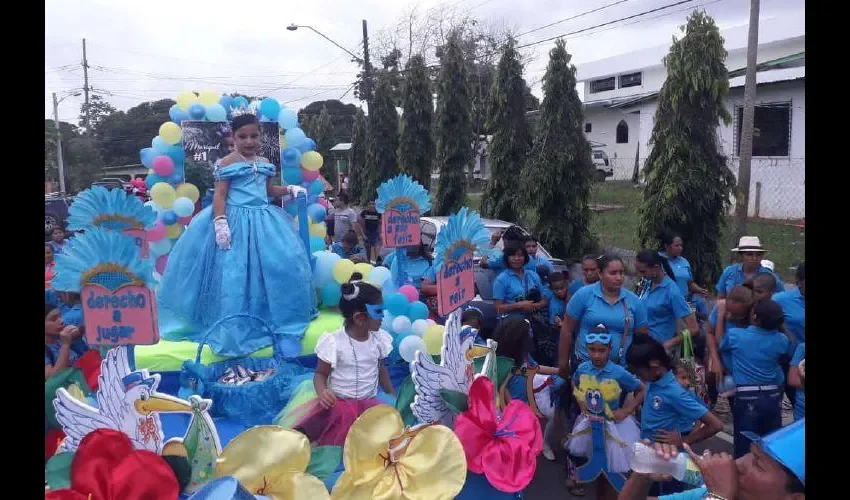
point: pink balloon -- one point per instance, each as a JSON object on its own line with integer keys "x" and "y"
{"x": 310, "y": 175}
{"x": 157, "y": 232}
{"x": 323, "y": 202}
{"x": 185, "y": 220}
{"x": 163, "y": 166}
{"x": 410, "y": 292}
{"x": 160, "y": 263}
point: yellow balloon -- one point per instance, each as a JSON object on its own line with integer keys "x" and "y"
{"x": 343, "y": 271}
{"x": 319, "y": 230}
{"x": 174, "y": 230}
{"x": 364, "y": 268}
{"x": 189, "y": 191}
{"x": 312, "y": 161}
{"x": 433, "y": 339}
{"x": 170, "y": 132}
{"x": 207, "y": 97}
{"x": 186, "y": 99}
{"x": 163, "y": 194}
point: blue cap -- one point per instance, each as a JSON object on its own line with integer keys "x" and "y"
{"x": 136, "y": 378}
{"x": 787, "y": 446}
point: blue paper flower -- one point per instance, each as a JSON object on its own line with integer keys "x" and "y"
{"x": 464, "y": 231}
{"x": 109, "y": 209}
{"x": 108, "y": 258}
{"x": 407, "y": 193}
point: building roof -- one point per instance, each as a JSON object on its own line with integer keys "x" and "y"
{"x": 342, "y": 146}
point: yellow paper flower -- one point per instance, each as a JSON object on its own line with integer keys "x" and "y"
{"x": 270, "y": 460}
{"x": 385, "y": 461}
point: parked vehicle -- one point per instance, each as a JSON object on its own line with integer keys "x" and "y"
{"x": 55, "y": 211}
{"x": 602, "y": 165}
{"x": 110, "y": 183}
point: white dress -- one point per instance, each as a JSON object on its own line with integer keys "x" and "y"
{"x": 619, "y": 438}
{"x": 354, "y": 364}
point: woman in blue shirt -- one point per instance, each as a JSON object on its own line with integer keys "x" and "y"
{"x": 516, "y": 287}
{"x": 63, "y": 344}
{"x": 793, "y": 304}
{"x": 750, "y": 252}
{"x": 664, "y": 301}
{"x": 682, "y": 273}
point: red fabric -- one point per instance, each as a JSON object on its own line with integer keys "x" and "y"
{"x": 89, "y": 363}
{"x": 330, "y": 427}
{"x": 503, "y": 449}
{"x": 51, "y": 442}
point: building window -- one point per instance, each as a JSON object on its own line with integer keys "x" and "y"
{"x": 771, "y": 129}
{"x": 622, "y": 132}
{"x": 630, "y": 80}
{"x": 602, "y": 85}
{"x": 587, "y": 128}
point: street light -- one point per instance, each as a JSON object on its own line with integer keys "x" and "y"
{"x": 293, "y": 27}
{"x": 59, "y": 160}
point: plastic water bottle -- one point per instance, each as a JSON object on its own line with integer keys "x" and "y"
{"x": 645, "y": 461}
{"x": 727, "y": 387}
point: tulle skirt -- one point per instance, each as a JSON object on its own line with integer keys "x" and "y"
{"x": 620, "y": 437}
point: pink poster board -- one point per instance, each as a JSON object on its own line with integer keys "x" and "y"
{"x": 140, "y": 236}
{"x": 122, "y": 317}
{"x": 400, "y": 229}
{"x": 455, "y": 282}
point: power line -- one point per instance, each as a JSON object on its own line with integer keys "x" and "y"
{"x": 576, "y": 16}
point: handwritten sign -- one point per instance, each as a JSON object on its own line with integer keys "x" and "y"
{"x": 400, "y": 225}
{"x": 455, "y": 279}
{"x": 122, "y": 317}
{"x": 140, "y": 237}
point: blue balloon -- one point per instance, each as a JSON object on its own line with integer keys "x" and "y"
{"x": 290, "y": 158}
{"x": 176, "y": 178}
{"x": 317, "y": 244}
{"x": 177, "y": 115}
{"x": 169, "y": 217}
{"x": 178, "y": 156}
{"x": 323, "y": 272}
{"x": 270, "y": 108}
{"x": 396, "y": 304}
{"x": 183, "y": 207}
{"x": 292, "y": 176}
{"x": 239, "y": 102}
{"x": 147, "y": 155}
{"x": 216, "y": 113}
{"x": 197, "y": 111}
{"x": 307, "y": 145}
{"x": 317, "y": 212}
{"x": 292, "y": 209}
{"x": 331, "y": 294}
{"x": 312, "y": 199}
{"x": 418, "y": 310}
{"x": 152, "y": 179}
{"x": 159, "y": 146}
{"x": 294, "y": 137}
{"x": 317, "y": 187}
{"x": 288, "y": 118}
{"x": 226, "y": 102}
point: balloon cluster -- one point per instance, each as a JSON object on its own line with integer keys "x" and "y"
{"x": 300, "y": 164}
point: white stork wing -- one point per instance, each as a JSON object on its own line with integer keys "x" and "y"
{"x": 428, "y": 380}
{"x": 78, "y": 419}
{"x": 453, "y": 354}
{"x": 111, "y": 400}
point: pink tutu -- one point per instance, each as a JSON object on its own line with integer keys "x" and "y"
{"x": 329, "y": 427}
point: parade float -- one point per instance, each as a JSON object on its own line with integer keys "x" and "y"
{"x": 172, "y": 419}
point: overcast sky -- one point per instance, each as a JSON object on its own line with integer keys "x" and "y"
{"x": 143, "y": 51}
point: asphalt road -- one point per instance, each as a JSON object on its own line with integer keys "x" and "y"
{"x": 548, "y": 482}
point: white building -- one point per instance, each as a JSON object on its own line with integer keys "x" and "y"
{"x": 620, "y": 97}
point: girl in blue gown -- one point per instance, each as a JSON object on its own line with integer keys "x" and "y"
{"x": 240, "y": 255}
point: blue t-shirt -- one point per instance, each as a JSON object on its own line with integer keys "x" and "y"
{"x": 51, "y": 351}
{"x": 575, "y": 286}
{"x": 356, "y": 251}
{"x": 588, "y": 307}
{"x": 794, "y": 309}
{"x": 666, "y": 404}
{"x": 664, "y": 305}
{"x": 496, "y": 262}
{"x": 734, "y": 275}
{"x": 800, "y": 402}
{"x": 539, "y": 260}
{"x": 682, "y": 271}
{"x": 725, "y": 357}
{"x": 557, "y": 306}
{"x": 695, "y": 494}
{"x": 755, "y": 354}
{"x": 415, "y": 268}
{"x": 510, "y": 288}
{"x": 626, "y": 381}
{"x": 71, "y": 314}
{"x": 685, "y": 425}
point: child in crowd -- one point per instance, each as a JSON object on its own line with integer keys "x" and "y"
{"x": 755, "y": 354}
{"x": 49, "y": 266}
{"x": 686, "y": 426}
{"x": 350, "y": 368}
{"x": 371, "y": 220}
{"x": 666, "y": 403}
{"x": 589, "y": 273}
{"x": 57, "y": 240}
{"x": 69, "y": 305}
{"x": 735, "y": 312}
{"x": 597, "y": 385}
{"x": 472, "y": 318}
{"x": 558, "y": 295}
{"x": 797, "y": 379}
{"x": 63, "y": 344}
{"x": 347, "y": 248}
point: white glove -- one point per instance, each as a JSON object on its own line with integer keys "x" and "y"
{"x": 294, "y": 191}
{"x": 222, "y": 234}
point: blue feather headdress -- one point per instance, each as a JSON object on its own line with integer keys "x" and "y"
{"x": 402, "y": 193}
{"x": 463, "y": 232}
{"x": 109, "y": 209}
{"x": 100, "y": 257}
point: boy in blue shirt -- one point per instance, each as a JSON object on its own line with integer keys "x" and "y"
{"x": 756, "y": 352}
{"x": 347, "y": 248}
{"x": 558, "y": 297}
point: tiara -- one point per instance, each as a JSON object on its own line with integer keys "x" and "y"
{"x": 243, "y": 110}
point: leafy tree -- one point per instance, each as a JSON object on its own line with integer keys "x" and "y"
{"x": 320, "y": 129}
{"x": 416, "y": 151}
{"x": 357, "y": 157}
{"x": 454, "y": 128}
{"x": 83, "y": 163}
{"x": 98, "y": 109}
{"x": 121, "y": 135}
{"x": 688, "y": 182}
{"x": 381, "y": 156}
{"x": 200, "y": 175}
{"x": 511, "y": 139}
{"x": 342, "y": 117}
{"x": 558, "y": 173}
{"x": 68, "y": 131}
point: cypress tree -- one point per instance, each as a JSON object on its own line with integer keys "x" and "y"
{"x": 416, "y": 148}
{"x": 381, "y": 158}
{"x": 357, "y": 166}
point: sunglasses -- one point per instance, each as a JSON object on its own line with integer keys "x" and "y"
{"x": 602, "y": 338}
{"x": 375, "y": 311}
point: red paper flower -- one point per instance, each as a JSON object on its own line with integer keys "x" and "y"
{"x": 504, "y": 448}
{"x": 106, "y": 467}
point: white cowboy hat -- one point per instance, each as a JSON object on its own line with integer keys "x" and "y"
{"x": 749, "y": 244}
{"x": 768, "y": 264}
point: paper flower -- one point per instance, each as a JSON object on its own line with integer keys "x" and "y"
{"x": 271, "y": 461}
{"x": 504, "y": 448}
{"x": 384, "y": 460}
{"x": 109, "y": 209}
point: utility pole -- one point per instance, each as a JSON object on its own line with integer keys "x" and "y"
{"x": 86, "y": 87}
{"x": 745, "y": 154}
{"x": 59, "y": 160}
{"x": 367, "y": 72}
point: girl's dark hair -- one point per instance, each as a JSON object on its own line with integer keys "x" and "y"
{"x": 511, "y": 248}
{"x": 531, "y": 238}
{"x": 557, "y": 277}
{"x": 741, "y": 294}
{"x": 513, "y": 233}
{"x": 768, "y": 314}
{"x": 242, "y": 120}
{"x": 355, "y": 295}
{"x": 645, "y": 349}
{"x": 667, "y": 237}
{"x": 48, "y": 307}
{"x": 653, "y": 258}
{"x": 590, "y": 256}
{"x": 514, "y": 340}
{"x": 605, "y": 259}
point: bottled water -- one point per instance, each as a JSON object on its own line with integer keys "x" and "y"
{"x": 645, "y": 461}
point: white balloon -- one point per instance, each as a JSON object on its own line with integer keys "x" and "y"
{"x": 431, "y": 322}
{"x": 408, "y": 347}
{"x": 380, "y": 275}
{"x": 387, "y": 322}
{"x": 401, "y": 324}
{"x": 419, "y": 326}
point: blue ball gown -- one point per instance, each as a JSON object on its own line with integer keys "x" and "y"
{"x": 265, "y": 273}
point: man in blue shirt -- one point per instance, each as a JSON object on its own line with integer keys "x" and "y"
{"x": 534, "y": 257}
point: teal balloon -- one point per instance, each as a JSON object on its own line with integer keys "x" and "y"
{"x": 307, "y": 145}
{"x": 418, "y": 310}
{"x": 178, "y": 156}
{"x": 323, "y": 271}
{"x": 317, "y": 244}
{"x": 226, "y": 102}
{"x": 396, "y": 304}
{"x": 292, "y": 176}
{"x": 146, "y": 155}
{"x": 290, "y": 158}
{"x": 177, "y": 115}
{"x": 294, "y": 137}
{"x": 216, "y": 113}
{"x": 317, "y": 187}
{"x": 288, "y": 118}
{"x": 152, "y": 179}
{"x": 159, "y": 146}
{"x": 317, "y": 212}
{"x": 331, "y": 294}
{"x": 270, "y": 108}
{"x": 197, "y": 111}
{"x": 239, "y": 102}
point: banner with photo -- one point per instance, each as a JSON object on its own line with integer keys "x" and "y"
{"x": 207, "y": 142}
